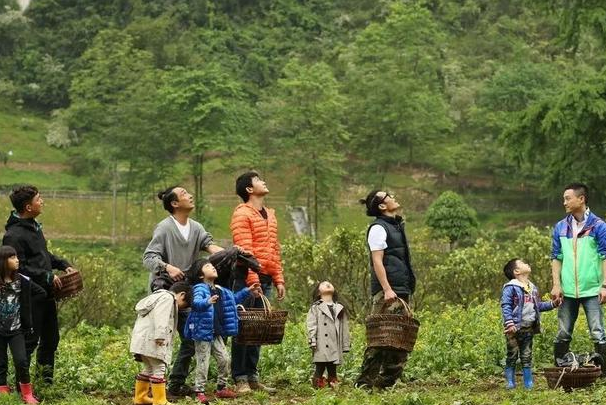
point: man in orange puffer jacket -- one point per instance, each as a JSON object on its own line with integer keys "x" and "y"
{"x": 255, "y": 229}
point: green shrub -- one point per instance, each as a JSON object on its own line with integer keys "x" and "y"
{"x": 341, "y": 258}
{"x": 110, "y": 292}
{"x": 450, "y": 217}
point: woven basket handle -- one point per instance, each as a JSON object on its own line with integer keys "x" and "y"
{"x": 404, "y": 305}
{"x": 266, "y": 304}
{"x": 240, "y": 306}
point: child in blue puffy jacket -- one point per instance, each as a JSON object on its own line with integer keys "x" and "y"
{"x": 213, "y": 317}
{"x": 521, "y": 307}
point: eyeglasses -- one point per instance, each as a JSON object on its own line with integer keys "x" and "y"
{"x": 382, "y": 200}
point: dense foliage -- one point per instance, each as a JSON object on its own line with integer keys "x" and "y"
{"x": 462, "y": 86}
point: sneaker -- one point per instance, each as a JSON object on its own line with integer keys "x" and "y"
{"x": 257, "y": 386}
{"x": 202, "y": 398}
{"x": 242, "y": 387}
{"x": 225, "y": 393}
{"x": 333, "y": 382}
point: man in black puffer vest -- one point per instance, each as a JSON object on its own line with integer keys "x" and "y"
{"x": 25, "y": 235}
{"x": 391, "y": 277}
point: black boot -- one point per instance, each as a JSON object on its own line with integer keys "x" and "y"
{"x": 559, "y": 350}
{"x": 600, "y": 348}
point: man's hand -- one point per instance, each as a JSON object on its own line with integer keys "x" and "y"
{"x": 175, "y": 273}
{"x": 510, "y": 330}
{"x": 160, "y": 342}
{"x": 556, "y": 293}
{"x": 255, "y": 290}
{"x": 57, "y": 283}
{"x": 242, "y": 250}
{"x": 389, "y": 296}
{"x": 213, "y": 299}
{"x": 70, "y": 270}
{"x": 602, "y": 295}
{"x": 281, "y": 291}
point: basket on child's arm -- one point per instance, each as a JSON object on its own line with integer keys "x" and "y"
{"x": 261, "y": 326}
{"x": 71, "y": 285}
{"x": 395, "y": 331}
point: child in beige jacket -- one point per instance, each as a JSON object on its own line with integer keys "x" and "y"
{"x": 152, "y": 337}
{"x": 328, "y": 334}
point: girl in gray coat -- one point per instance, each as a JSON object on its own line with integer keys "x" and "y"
{"x": 328, "y": 334}
{"x": 151, "y": 339}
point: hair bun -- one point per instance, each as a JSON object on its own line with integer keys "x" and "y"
{"x": 161, "y": 195}
{"x": 362, "y": 201}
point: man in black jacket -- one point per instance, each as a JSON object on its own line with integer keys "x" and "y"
{"x": 391, "y": 280}
{"x": 24, "y": 234}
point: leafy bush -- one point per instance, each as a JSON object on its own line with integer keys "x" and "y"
{"x": 450, "y": 217}
{"x": 109, "y": 294}
{"x": 341, "y": 258}
{"x": 461, "y": 276}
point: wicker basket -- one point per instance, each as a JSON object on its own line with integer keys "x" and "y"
{"x": 567, "y": 379}
{"x": 261, "y": 326}
{"x": 394, "y": 331}
{"x": 71, "y": 285}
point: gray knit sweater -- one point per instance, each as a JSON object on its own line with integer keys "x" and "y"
{"x": 169, "y": 247}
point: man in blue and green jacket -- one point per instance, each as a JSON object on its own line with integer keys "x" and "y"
{"x": 578, "y": 269}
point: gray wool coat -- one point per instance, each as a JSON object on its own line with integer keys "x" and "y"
{"x": 156, "y": 319}
{"x": 327, "y": 336}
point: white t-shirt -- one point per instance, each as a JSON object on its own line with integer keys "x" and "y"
{"x": 377, "y": 238}
{"x": 184, "y": 229}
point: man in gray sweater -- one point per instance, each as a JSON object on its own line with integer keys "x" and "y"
{"x": 175, "y": 245}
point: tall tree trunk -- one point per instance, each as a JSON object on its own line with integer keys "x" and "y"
{"x": 128, "y": 182}
{"x": 198, "y": 182}
{"x": 315, "y": 203}
{"x": 114, "y": 202}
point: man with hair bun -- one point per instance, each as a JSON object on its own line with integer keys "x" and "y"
{"x": 175, "y": 245}
{"x": 391, "y": 277}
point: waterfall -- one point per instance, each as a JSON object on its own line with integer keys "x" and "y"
{"x": 23, "y": 4}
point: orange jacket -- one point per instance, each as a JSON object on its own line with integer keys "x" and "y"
{"x": 258, "y": 236}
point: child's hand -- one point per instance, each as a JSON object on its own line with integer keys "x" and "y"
{"x": 556, "y": 303}
{"x": 213, "y": 299}
{"x": 510, "y": 330}
{"x": 256, "y": 290}
{"x": 160, "y": 342}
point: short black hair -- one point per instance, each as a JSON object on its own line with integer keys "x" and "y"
{"x": 371, "y": 203}
{"x": 244, "y": 181}
{"x": 194, "y": 272}
{"x": 579, "y": 189}
{"x": 23, "y": 195}
{"x": 182, "y": 286}
{"x": 168, "y": 196}
{"x": 510, "y": 267}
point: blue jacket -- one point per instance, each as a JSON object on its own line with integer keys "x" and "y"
{"x": 512, "y": 304}
{"x": 200, "y": 322}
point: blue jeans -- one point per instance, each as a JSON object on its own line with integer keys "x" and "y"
{"x": 244, "y": 358}
{"x": 519, "y": 345}
{"x": 568, "y": 313}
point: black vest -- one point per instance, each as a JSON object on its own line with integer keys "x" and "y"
{"x": 396, "y": 259}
